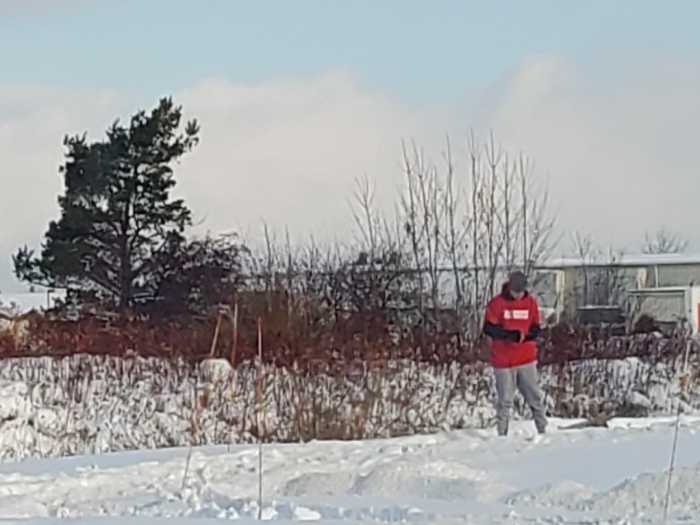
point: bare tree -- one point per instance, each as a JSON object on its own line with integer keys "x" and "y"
{"x": 457, "y": 230}
{"x": 424, "y": 217}
{"x": 455, "y": 238}
{"x": 537, "y": 224}
{"x": 664, "y": 241}
{"x": 510, "y": 225}
{"x": 474, "y": 225}
{"x": 601, "y": 281}
{"x": 587, "y": 255}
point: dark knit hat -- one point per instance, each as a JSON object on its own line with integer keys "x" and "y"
{"x": 517, "y": 281}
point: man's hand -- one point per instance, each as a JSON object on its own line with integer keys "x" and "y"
{"x": 522, "y": 336}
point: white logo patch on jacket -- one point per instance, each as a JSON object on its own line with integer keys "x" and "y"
{"x": 519, "y": 315}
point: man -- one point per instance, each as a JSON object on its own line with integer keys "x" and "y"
{"x": 512, "y": 323}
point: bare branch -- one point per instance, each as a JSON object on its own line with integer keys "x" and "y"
{"x": 664, "y": 241}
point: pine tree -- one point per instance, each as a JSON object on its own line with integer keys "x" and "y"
{"x": 117, "y": 214}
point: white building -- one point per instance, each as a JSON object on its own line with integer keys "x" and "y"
{"x": 664, "y": 286}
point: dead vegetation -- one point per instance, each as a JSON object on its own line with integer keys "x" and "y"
{"x": 86, "y": 404}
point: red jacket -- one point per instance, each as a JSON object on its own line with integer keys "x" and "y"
{"x": 506, "y": 320}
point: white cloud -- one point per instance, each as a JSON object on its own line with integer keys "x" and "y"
{"x": 621, "y": 154}
{"x": 289, "y": 151}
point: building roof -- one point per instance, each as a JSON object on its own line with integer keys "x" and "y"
{"x": 23, "y": 302}
{"x": 661, "y": 290}
{"x": 632, "y": 260}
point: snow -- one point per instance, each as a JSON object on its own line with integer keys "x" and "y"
{"x": 592, "y": 476}
{"x": 644, "y": 259}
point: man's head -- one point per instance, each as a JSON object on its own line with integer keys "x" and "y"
{"x": 517, "y": 284}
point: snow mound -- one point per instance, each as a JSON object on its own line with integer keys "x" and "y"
{"x": 18, "y": 507}
{"x": 646, "y": 493}
{"x": 14, "y": 400}
{"x": 319, "y": 483}
{"x": 426, "y": 480}
{"x": 216, "y": 370}
{"x": 564, "y": 494}
{"x": 642, "y": 495}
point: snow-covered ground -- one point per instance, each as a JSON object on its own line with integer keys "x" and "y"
{"x": 603, "y": 475}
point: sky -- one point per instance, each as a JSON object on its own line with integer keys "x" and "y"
{"x": 297, "y": 100}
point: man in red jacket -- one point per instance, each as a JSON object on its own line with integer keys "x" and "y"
{"x": 513, "y": 323}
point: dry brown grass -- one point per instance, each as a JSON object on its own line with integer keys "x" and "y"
{"x": 328, "y": 374}
{"x": 104, "y": 403}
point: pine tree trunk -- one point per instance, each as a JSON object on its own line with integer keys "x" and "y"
{"x": 126, "y": 290}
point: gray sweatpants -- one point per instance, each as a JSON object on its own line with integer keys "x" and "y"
{"x": 525, "y": 379}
